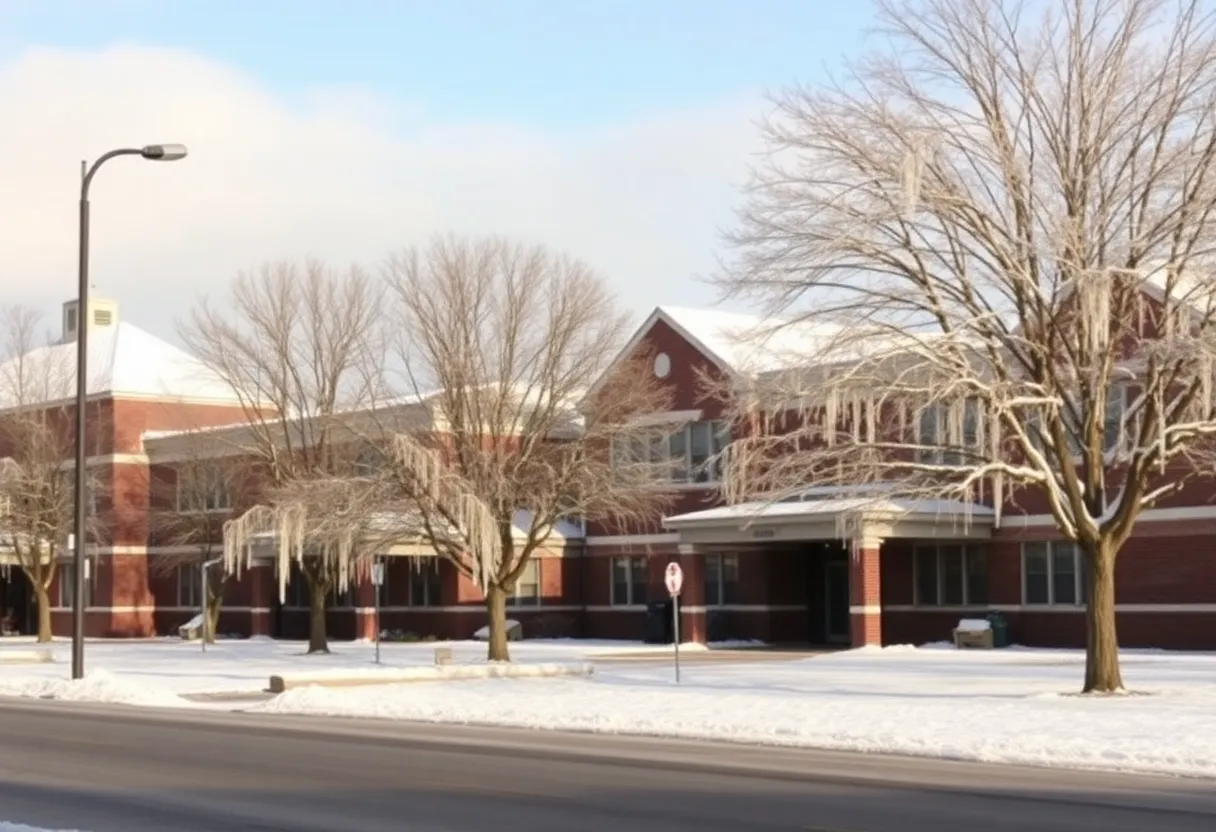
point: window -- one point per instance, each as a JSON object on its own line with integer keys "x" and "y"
{"x": 205, "y": 490}
{"x": 1053, "y": 572}
{"x": 67, "y": 586}
{"x": 527, "y": 587}
{"x": 933, "y": 433}
{"x": 189, "y": 586}
{"x": 693, "y": 451}
{"x": 721, "y": 580}
{"x": 950, "y": 575}
{"x": 629, "y": 579}
{"x": 1112, "y": 428}
{"x": 425, "y": 586}
{"x": 297, "y": 594}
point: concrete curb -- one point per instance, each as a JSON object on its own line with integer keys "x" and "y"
{"x": 451, "y": 672}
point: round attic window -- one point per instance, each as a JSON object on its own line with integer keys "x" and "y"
{"x": 662, "y": 365}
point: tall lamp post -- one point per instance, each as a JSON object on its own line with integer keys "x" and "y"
{"x": 155, "y": 152}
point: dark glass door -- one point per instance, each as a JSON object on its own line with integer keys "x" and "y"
{"x": 836, "y": 600}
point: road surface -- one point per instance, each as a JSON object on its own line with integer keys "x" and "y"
{"x": 109, "y": 769}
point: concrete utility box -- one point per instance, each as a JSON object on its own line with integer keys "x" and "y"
{"x": 192, "y": 630}
{"x": 515, "y": 631}
{"x": 973, "y": 633}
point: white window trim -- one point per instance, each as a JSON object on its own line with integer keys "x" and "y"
{"x": 1124, "y": 389}
{"x": 418, "y": 565}
{"x": 224, "y": 488}
{"x": 721, "y": 584}
{"x": 967, "y": 549}
{"x": 1078, "y": 579}
{"x": 632, "y": 583}
{"x": 936, "y": 453}
{"x": 88, "y": 585}
{"x": 192, "y": 568}
{"x": 717, "y": 427}
{"x": 513, "y": 598}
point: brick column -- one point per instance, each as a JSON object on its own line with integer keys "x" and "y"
{"x": 865, "y": 592}
{"x": 365, "y": 608}
{"x": 692, "y": 602}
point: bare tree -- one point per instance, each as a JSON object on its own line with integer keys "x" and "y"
{"x": 1000, "y": 230}
{"x": 299, "y": 345}
{"x": 505, "y": 340}
{"x": 37, "y": 500}
{"x": 188, "y": 511}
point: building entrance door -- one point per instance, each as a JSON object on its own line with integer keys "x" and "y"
{"x": 17, "y": 609}
{"x": 836, "y": 600}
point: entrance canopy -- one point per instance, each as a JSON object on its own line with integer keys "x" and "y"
{"x": 835, "y": 513}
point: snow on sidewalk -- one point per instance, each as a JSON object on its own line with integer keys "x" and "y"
{"x": 17, "y": 827}
{"x": 1012, "y": 706}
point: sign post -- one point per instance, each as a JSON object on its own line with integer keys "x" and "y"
{"x": 674, "y": 579}
{"x": 378, "y": 581}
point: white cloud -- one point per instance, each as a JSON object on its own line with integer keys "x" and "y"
{"x": 345, "y": 175}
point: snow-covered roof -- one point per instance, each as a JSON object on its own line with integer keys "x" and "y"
{"x": 830, "y": 502}
{"x": 122, "y": 360}
{"x": 747, "y": 343}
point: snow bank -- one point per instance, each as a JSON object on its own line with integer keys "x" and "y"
{"x": 387, "y": 676}
{"x": 19, "y": 827}
{"x": 97, "y": 686}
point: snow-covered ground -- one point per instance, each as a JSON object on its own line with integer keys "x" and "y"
{"x": 1013, "y": 706}
{"x": 17, "y": 827}
{"x": 133, "y": 671}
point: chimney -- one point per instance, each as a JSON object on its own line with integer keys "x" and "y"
{"x": 102, "y": 314}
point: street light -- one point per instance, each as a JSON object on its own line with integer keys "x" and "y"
{"x": 155, "y": 152}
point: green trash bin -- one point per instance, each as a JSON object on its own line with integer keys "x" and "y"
{"x": 1000, "y": 629}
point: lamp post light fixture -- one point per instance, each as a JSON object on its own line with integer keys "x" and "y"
{"x": 155, "y": 152}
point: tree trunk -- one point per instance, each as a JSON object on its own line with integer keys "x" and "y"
{"x": 214, "y": 589}
{"x": 214, "y": 605}
{"x": 1102, "y": 674}
{"x": 318, "y": 641}
{"x": 496, "y": 608}
{"x": 43, "y": 600}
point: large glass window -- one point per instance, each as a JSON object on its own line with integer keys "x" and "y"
{"x": 1053, "y": 572}
{"x": 693, "y": 452}
{"x": 527, "y": 588}
{"x": 950, "y": 575}
{"x": 721, "y": 580}
{"x": 629, "y": 578}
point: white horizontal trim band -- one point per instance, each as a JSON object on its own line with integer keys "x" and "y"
{"x": 477, "y": 608}
{"x": 1055, "y": 608}
{"x": 138, "y": 609}
{"x": 1152, "y": 515}
{"x": 632, "y": 539}
{"x": 865, "y": 609}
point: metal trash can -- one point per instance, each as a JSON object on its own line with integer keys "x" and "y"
{"x": 1000, "y": 629}
{"x": 717, "y": 626}
{"x": 658, "y": 622}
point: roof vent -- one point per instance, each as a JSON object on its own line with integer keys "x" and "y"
{"x": 102, "y": 314}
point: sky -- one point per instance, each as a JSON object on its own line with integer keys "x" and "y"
{"x": 618, "y": 131}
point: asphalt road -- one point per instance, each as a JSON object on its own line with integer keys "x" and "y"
{"x": 109, "y": 769}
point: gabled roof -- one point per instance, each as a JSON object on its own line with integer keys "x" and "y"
{"x": 737, "y": 343}
{"x": 123, "y": 360}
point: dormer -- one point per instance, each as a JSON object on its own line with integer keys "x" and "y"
{"x": 103, "y": 314}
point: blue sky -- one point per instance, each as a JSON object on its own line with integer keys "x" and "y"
{"x": 542, "y": 61}
{"x": 618, "y": 131}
